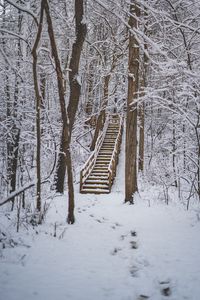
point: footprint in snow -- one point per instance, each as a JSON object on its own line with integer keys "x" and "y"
{"x": 133, "y": 233}
{"x": 100, "y": 221}
{"x": 143, "y": 297}
{"x": 165, "y": 288}
{"x": 134, "y": 245}
{"x": 134, "y": 271}
{"x": 115, "y": 251}
{"x": 117, "y": 224}
{"x": 122, "y": 237}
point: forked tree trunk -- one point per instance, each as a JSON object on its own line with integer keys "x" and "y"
{"x": 131, "y": 120}
{"x": 75, "y": 89}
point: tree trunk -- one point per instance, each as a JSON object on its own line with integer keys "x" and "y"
{"x": 14, "y": 135}
{"x": 131, "y": 120}
{"x": 102, "y": 115}
{"x": 75, "y": 89}
{"x": 141, "y": 140}
{"x": 142, "y": 106}
{"x": 38, "y": 107}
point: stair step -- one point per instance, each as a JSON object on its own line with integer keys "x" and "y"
{"x": 97, "y": 191}
{"x": 101, "y": 166}
{"x": 115, "y": 129}
{"x": 102, "y": 174}
{"x": 108, "y": 143}
{"x": 105, "y": 153}
{"x": 98, "y": 177}
{"x": 100, "y": 171}
{"x": 102, "y": 160}
{"x": 96, "y": 182}
{"x": 95, "y": 186}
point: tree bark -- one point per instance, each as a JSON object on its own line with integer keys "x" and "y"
{"x": 38, "y": 107}
{"x": 13, "y": 137}
{"x": 142, "y": 109}
{"x": 102, "y": 114}
{"x": 75, "y": 89}
{"x": 141, "y": 140}
{"x": 131, "y": 120}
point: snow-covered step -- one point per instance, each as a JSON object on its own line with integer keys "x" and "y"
{"x": 101, "y": 167}
{"x": 96, "y": 181}
{"x": 99, "y": 172}
{"x": 96, "y": 186}
{"x": 97, "y": 177}
{"x": 102, "y": 158}
{"x": 94, "y": 191}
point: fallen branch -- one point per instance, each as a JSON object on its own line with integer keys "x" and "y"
{"x": 20, "y": 191}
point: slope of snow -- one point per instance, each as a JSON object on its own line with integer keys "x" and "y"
{"x": 114, "y": 251}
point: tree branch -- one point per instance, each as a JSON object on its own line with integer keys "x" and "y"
{"x": 24, "y": 10}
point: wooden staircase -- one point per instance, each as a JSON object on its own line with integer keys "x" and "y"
{"x": 99, "y": 171}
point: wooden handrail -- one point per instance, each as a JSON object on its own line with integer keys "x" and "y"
{"x": 89, "y": 164}
{"x": 114, "y": 158}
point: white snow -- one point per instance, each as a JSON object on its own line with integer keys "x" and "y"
{"x": 114, "y": 251}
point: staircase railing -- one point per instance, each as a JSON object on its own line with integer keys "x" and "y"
{"x": 89, "y": 164}
{"x": 115, "y": 155}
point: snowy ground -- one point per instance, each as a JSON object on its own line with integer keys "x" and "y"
{"x": 114, "y": 251}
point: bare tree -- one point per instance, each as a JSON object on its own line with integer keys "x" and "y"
{"x": 131, "y": 120}
{"x": 75, "y": 89}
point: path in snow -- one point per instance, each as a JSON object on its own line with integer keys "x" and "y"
{"x": 114, "y": 251}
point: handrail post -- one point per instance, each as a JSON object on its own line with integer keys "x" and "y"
{"x": 109, "y": 180}
{"x": 81, "y": 180}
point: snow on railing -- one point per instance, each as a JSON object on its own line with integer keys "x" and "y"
{"x": 114, "y": 158}
{"x": 89, "y": 164}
